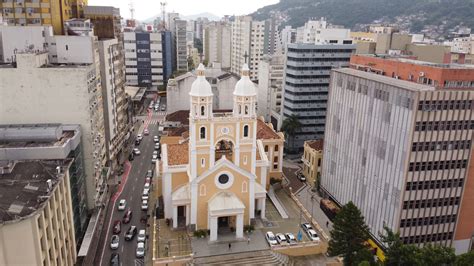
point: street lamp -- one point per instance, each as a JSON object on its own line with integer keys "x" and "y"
{"x": 312, "y": 205}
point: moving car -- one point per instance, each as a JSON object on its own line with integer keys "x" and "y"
{"x": 291, "y": 238}
{"x": 301, "y": 177}
{"x": 117, "y": 227}
{"x": 306, "y": 227}
{"x": 131, "y": 232}
{"x": 122, "y": 204}
{"x": 136, "y": 151}
{"x": 127, "y": 216}
{"x": 313, "y": 236}
{"x": 114, "y": 259}
{"x": 140, "y": 250}
{"x": 271, "y": 239}
{"x": 141, "y": 235}
{"x": 281, "y": 239}
{"x": 146, "y": 132}
{"x": 114, "y": 242}
{"x": 144, "y": 205}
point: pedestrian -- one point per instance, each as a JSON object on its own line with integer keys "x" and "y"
{"x": 230, "y": 246}
{"x": 248, "y": 240}
{"x": 327, "y": 223}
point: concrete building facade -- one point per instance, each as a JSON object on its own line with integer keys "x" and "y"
{"x": 306, "y": 85}
{"x": 18, "y": 39}
{"x": 401, "y": 161}
{"x": 181, "y": 45}
{"x": 321, "y": 32}
{"x": 217, "y": 43}
{"x": 36, "y": 219}
{"x": 270, "y": 82}
{"x": 312, "y": 160}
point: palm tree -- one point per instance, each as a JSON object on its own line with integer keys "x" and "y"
{"x": 290, "y": 126}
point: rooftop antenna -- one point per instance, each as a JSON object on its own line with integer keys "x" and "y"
{"x": 163, "y": 14}
{"x": 132, "y": 10}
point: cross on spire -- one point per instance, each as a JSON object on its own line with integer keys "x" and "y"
{"x": 245, "y": 57}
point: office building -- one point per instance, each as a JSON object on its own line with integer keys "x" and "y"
{"x": 51, "y": 142}
{"x": 44, "y": 12}
{"x": 306, "y": 84}
{"x": 321, "y": 32}
{"x": 250, "y": 40}
{"x": 181, "y": 46}
{"x": 270, "y": 81}
{"x": 217, "y": 44}
{"x": 36, "y": 214}
{"x": 441, "y": 76}
{"x": 60, "y": 93}
{"x": 168, "y": 50}
{"x": 400, "y": 151}
{"x": 143, "y": 59}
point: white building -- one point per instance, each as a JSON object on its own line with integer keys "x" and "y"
{"x": 17, "y": 39}
{"x": 59, "y": 94}
{"x": 270, "y": 79}
{"x": 222, "y": 84}
{"x": 320, "y": 32}
{"x": 181, "y": 45}
{"x": 463, "y": 45}
{"x": 217, "y": 43}
{"x": 287, "y": 35}
{"x": 143, "y": 59}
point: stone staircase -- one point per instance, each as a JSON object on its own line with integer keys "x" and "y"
{"x": 264, "y": 257}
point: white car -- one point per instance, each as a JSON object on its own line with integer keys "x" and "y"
{"x": 306, "y": 226}
{"x": 157, "y": 146}
{"x": 140, "y": 250}
{"x": 139, "y": 136}
{"x": 313, "y": 236}
{"x": 281, "y": 239}
{"x": 147, "y": 185}
{"x": 291, "y": 238}
{"x": 146, "y": 194}
{"x": 154, "y": 158}
{"x": 144, "y": 205}
{"x": 156, "y": 139}
{"x": 155, "y": 153}
{"x": 114, "y": 242}
{"x": 271, "y": 239}
{"x": 122, "y": 204}
{"x": 146, "y": 132}
{"x": 136, "y": 151}
{"x": 141, "y": 235}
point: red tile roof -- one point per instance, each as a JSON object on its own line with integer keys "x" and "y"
{"x": 178, "y": 154}
{"x": 316, "y": 144}
{"x": 264, "y": 131}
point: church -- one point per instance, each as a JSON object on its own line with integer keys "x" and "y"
{"x": 217, "y": 175}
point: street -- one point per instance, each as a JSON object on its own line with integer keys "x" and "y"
{"x": 131, "y": 189}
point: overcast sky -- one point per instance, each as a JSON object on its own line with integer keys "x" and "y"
{"x": 145, "y": 9}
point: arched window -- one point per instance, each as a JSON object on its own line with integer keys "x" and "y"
{"x": 195, "y": 110}
{"x": 246, "y": 131}
{"x": 246, "y": 109}
{"x": 202, "y": 132}
{"x": 203, "y": 110}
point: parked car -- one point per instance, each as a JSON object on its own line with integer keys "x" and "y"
{"x": 144, "y": 205}
{"x": 146, "y": 132}
{"x": 313, "y": 236}
{"x": 140, "y": 137}
{"x": 156, "y": 139}
{"x": 154, "y": 158}
{"x": 131, "y": 232}
{"x": 291, "y": 238}
{"x": 155, "y": 153}
{"x": 301, "y": 177}
{"x": 146, "y": 186}
{"x": 149, "y": 174}
{"x": 306, "y": 227}
{"x": 145, "y": 194}
{"x": 114, "y": 242}
{"x": 117, "y": 227}
{"x": 131, "y": 157}
{"x": 147, "y": 180}
{"x": 281, "y": 239}
{"x": 137, "y": 142}
{"x": 141, "y": 237}
{"x": 127, "y": 217}
{"x": 122, "y": 204}
{"x": 115, "y": 259}
{"x": 271, "y": 239}
{"x": 140, "y": 250}
{"x": 163, "y": 108}
{"x": 136, "y": 151}
{"x": 157, "y": 147}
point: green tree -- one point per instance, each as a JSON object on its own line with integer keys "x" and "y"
{"x": 466, "y": 259}
{"x": 437, "y": 255}
{"x": 349, "y": 236}
{"x": 290, "y": 126}
{"x": 397, "y": 253}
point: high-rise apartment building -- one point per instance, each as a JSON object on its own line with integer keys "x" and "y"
{"x": 217, "y": 43}
{"x": 250, "y": 40}
{"x": 181, "y": 46}
{"x": 60, "y": 93}
{"x": 306, "y": 84}
{"x": 401, "y": 151}
{"x": 42, "y": 12}
{"x": 40, "y": 142}
{"x": 143, "y": 59}
{"x": 270, "y": 81}
{"x": 321, "y": 32}
{"x": 36, "y": 214}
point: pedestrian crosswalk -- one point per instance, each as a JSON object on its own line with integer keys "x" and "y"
{"x": 161, "y": 113}
{"x": 154, "y": 121}
{"x": 139, "y": 262}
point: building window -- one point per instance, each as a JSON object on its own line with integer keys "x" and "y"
{"x": 246, "y": 109}
{"x": 223, "y": 179}
{"x": 246, "y": 131}
{"x": 276, "y": 147}
{"x": 266, "y": 148}
{"x": 202, "y": 190}
{"x": 203, "y": 162}
{"x": 203, "y": 110}
{"x": 202, "y": 134}
{"x": 244, "y": 187}
{"x": 245, "y": 159}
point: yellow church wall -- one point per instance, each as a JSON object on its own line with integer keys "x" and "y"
{"x": 178, "y": 179}
{"x": 201, "y": 168}
{"x": 245, "y": 156}
{"x": 211, "y": 190}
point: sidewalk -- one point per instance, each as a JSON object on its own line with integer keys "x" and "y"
{"x": 312, "y": 204}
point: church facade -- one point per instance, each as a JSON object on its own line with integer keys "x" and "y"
{"x": 218, "y": 176}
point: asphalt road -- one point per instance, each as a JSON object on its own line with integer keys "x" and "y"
{"x": 131, "y": 190}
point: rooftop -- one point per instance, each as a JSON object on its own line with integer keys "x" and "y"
{"x": 24, "y": 190}
{"x": 316, "y": 144}
{"x": 183, "y": 116}
{"x": 178, "y": 131}
{"x": 406, "y": 60}
{"x": 412, "y": 86}
{"x": 178, "y": 154}
{"x": 36, "y": 135}
{"x": 265, "y": 131}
